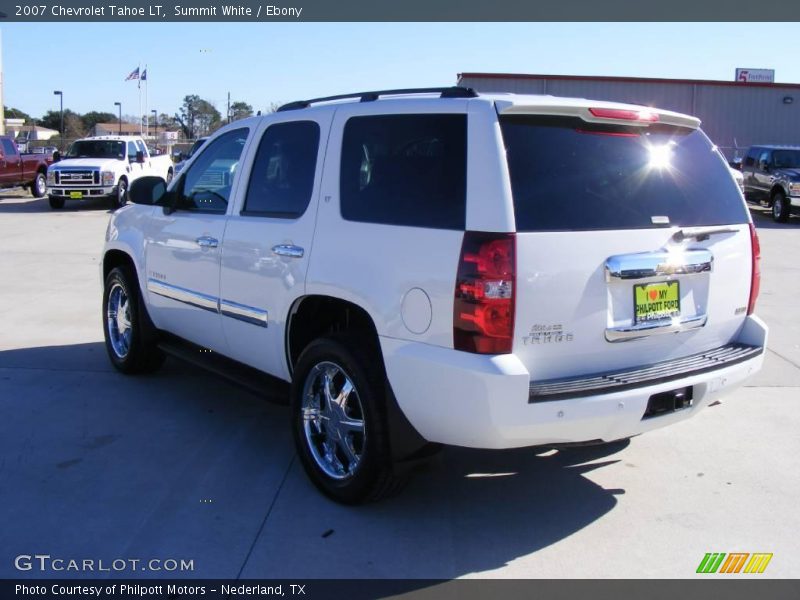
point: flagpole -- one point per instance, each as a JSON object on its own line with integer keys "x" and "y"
{"x": 140, "y": 98}
{"x": 146, "y": 112}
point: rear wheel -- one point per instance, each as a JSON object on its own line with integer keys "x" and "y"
{"x": 780, "y": 207}
{"x": 339, "y": 421}
{"x": 39, "y": 186}
{"x": 56, "y": 203}
{"x": 130, "y": 336}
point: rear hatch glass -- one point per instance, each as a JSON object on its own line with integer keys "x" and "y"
{"x": 569, "y": 175}
{"x": 588, "y": 197}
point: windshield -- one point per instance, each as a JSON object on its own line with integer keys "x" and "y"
{"x": 568, "y": 175}
{"x": 194, "y": 148}
{"x": 96, "y": 149}
{"x": 786, "y": 159}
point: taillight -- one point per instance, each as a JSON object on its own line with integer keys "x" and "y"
{"x": 755, "y": 280}
{"x": 483, "y": 311}
{"x": 623, "y": 114}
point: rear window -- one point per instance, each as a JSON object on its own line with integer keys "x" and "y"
{"x": 405, "y": 170}
{"x": 567, "y": 175}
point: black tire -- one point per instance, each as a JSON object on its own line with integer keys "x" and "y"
{"x": 374, "y": 476}
{"x": 39, "y": 185}
{"x": 56, "y": 203}
{"x": 121, "y": 198}
{"x": 780, "y": 208}
{"x": 142, "y": 354}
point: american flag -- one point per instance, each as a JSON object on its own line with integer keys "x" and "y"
{"x": 134, "y": 74}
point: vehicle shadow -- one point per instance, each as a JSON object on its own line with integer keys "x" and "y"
{"x": 762, "y": 219}
{"x": 22, "y": 202}
{"x": 101, "y": 464}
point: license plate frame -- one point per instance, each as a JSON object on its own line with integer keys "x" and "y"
{"x": 665, "y": 305}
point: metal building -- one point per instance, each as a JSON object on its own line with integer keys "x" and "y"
{"x": 735, "y": 115}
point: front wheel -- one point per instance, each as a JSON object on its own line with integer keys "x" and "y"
{"x": 780, "y": 208}
{"x": 39, "y": 186}
{"x": 121, "y": 197}
{"x": 339, "y": 421}
{"x": 129, "y": 335}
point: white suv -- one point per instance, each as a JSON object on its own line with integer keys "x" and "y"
{"x": 435, "y": 267}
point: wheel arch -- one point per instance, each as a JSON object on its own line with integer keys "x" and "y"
{"x": 316, "y": 315}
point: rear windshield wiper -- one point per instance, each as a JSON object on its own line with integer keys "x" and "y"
{"x": 700, "y": 233}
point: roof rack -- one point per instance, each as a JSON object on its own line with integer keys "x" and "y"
{"x": 444, "y": 92}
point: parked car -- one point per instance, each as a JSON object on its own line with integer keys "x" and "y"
{"x": 104, "y": 167}
{"x": 441, "y": 267}
{"x": 192, "y": 151}
{"x": 26, "y": 170}
{"x": 43, "y": 150}
{"x": 738, "y": 177}
{"x": 772, "y": 178}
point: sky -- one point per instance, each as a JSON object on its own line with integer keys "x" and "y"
{"x": 264, "y": 63}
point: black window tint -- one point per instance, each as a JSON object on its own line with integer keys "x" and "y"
{"x": 206, "y": 185}
{"x": 282, "y": 179}
{"x": 750, "y": 159}
{"x": 567, "y": 174}
{"x": 405, "y": 170}
{"x": 131, "y": 150}
{"x": 8, "y": 147}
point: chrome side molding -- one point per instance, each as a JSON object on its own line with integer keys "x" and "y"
{"x": 242, "y": 312}
{"x": 627, "y": 333}
{"x": 661, "y": 263}
{"x": 227, "y": 308}
{"x": 175, "y": 292}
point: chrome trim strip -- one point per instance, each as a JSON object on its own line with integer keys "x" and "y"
{"x": 180, "y": 294}
{"x": 645, "y": 265}
{"x": 242, "y": 312}
{"x": 641, "y": 330}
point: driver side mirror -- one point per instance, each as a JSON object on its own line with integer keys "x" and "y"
{"x": 56, "y": 156}
{"x": 150, "y": 191}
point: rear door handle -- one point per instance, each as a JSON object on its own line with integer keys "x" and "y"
{"x": 207, "y": 242}
{"x": 288, "y": 250}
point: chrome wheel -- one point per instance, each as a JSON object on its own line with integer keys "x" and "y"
{"x": 118, "y": 320}
{"x": 39, "y": 186}
{"x": 333, "y": 420}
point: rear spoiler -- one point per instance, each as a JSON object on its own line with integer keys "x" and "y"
{"x": 601, "y": 112}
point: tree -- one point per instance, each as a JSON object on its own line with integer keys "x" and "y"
{"x": 197, "y": 117}
{"x": 92, "y": 118}
{"x": 72, "y": 122}
{"x": 15, "y": 113}
{"x": 240, "y": 110}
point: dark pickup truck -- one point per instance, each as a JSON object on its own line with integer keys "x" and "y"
{"x": 26, "y": 170}
{"x": 772, "y": 178}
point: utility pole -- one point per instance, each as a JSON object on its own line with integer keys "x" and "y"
{"x": 229, "y": 108}
{"x": 119, "y": 104}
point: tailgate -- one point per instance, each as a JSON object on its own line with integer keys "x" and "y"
{"x": 633, "y": 244}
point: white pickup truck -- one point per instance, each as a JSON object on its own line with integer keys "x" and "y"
{"x": 104, "y": 167}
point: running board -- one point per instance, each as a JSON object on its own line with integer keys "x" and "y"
{"x": 254, "y": 381}
{"x": 617, "y": 381}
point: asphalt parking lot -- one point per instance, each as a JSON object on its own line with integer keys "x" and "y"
{"x": 182, "y": 465}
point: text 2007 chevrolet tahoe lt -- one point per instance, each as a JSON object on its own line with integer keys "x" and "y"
{"x": 442, "y": 267}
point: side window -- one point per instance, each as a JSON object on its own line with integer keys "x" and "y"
{"x": 8, "y": 147}
{"x": 405, "y": 170}
{"x": 763, "y": 159}
{"x": 282, "y": 178}
{"x": 131, "y": 151}
{"x": 206, "y": 185}
{"x": 140, "y": 147}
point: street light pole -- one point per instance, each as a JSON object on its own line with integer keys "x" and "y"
{"x": 60, "y": 95}
{"x": 155, "y": 120}
{"x": 119, "y": 104}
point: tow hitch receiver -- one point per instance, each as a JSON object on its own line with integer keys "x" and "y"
{"x": 664, "y": 403}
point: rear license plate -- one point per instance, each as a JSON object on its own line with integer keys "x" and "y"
{"x": 76, "y": 195}
{"x": 656, "y": 301}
